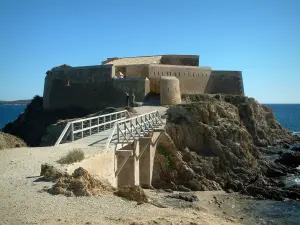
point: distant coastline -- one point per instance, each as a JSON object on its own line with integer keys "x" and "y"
{"x": 16, "y": 102}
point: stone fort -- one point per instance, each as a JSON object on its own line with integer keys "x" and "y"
{"x": 95, "y": 87}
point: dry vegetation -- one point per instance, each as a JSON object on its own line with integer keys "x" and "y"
{"x": 76, "y": 155}
{"x": 10, "y": 141}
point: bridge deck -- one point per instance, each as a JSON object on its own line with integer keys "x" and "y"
{"x": 100, "y": 139}
{"x": 95, "y": 140}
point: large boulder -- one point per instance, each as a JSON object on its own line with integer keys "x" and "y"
{"x": 296, "y": 148}
{"x": 291, "y": 159}
{"x": 134, "y": 193}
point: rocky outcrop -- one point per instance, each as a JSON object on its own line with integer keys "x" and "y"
{"x": 173, "y": 169}
{"x": 296, "y": 148}
{"x": 10, "y": 141}
{"x": 134, "y": 193}
{"x": 216, "y": 144}
{"x": 32, "y": 125}
{"x": 261, "y": 123}
{"x": 291, "y": 159}
{"x": 39, "y": 127}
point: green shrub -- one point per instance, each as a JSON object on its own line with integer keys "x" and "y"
{"x": 76, "y": 155}
{"x": 165, "y": 153}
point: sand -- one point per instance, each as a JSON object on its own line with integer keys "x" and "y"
{"x": 22, "y": 200}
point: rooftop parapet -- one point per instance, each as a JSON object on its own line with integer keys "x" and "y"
{"x": 170, "y": 59}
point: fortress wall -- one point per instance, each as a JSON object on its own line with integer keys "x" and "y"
{"x": 86, "y": 87}
{"x": 92, "y": 96}
{"x": 193, "y": 80}
{"x": 137, "y": 71}
{"x": 139, "y": 86}
{"x": 226, "y": 82}
{"x": 184, "y": 60}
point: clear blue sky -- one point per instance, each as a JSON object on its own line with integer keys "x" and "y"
{"x": 259, "y": 37}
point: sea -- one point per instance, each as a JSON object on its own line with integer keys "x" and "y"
{"x": 8, "y": 113}
{"x": 288, "y": 115}
{"x": 259, "y": 211}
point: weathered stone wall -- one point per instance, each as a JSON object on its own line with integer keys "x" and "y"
{"x": 90, "y": 88}
{"x": 96, "y": 87}
{"x": 139, "y": 86}
{"x": 169, "y": 91}
{"x": 192, "y": 79}
{"x": 184, "y": 60}
{"x": 137, "y": 71}
{"x": 78, "y": 86}
{"x": 225, "y": 82}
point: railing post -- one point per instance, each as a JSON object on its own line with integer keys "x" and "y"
{"x": 110, "y": 121}
{"x": 118, "y": 133}
{"x": 137, "y": 124}
{"x": 72, "y": 132}
{"x": 131, "y": 129}
{"x": 81, "y": 129}
{"x": 90, "y": 127}
{"x": 98, "y": 124}
{"x": 104, "y": 126}
{"x": 125, "y": 129}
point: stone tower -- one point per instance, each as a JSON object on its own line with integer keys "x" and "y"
{"x": 169, "y": 90}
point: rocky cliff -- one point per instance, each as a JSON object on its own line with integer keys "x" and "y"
{"x": 261, "y": 123}
{"x": 216, "y": 142}
{"x": 32, "y": 125}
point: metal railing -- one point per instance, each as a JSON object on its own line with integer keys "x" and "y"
{"x": 130, "y": 129}
{"x": 85, "y": 127}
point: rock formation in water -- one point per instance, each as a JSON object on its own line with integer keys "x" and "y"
{"x": 215, "y": 144}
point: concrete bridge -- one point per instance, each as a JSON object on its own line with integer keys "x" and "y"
{"x": 126, "y": 145}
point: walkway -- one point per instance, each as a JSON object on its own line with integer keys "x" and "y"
{"x": 113, "y": 128}
{"x": 91, "y": 131}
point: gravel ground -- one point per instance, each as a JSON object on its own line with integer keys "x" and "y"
{"x": 23, "y": 202}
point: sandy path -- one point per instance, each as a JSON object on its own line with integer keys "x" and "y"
{"x": 22, "y": 202}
